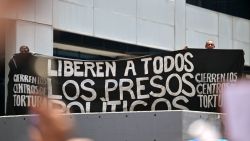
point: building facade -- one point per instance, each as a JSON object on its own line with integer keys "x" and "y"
{"x": 161, "y": 25}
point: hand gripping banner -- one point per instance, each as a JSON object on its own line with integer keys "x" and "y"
{"x": 189, "y": 79}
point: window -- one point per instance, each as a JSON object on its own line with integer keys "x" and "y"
{"x": 238, "y": 8}
{"x": 76, "y": 46}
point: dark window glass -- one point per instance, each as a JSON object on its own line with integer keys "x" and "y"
{"x": 97, "y": 43}
{"x": 79, "y": 55}
{"x": 239, "y": 8}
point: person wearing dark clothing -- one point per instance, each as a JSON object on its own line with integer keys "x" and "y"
{"x": 20, "y": 65}
{"x": 2, "y": 94}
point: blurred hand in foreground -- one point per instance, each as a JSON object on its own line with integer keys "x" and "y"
{"x": 236, "y": 106}
{"x": 51, "y": 125}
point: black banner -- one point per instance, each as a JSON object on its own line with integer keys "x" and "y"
{"x": 180, "y": 80}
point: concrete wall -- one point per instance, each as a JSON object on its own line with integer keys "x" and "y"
{"x": 228, "y": 32}
{"x": 165, "y": 24}
{"x": 31, "y": 21}
{"x": 131, "y": 126}
{"x": 142, "y": 22}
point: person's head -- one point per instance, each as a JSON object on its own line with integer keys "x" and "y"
{"x": 209, "y": 44}
{"x": 24, "y": 49}
{"x": 185, "y": 47}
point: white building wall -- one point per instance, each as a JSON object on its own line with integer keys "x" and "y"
{"x": 155, "y": 23}
{"x": 25, "y": 35}
{"x": 32, "y": 21}
{"x": 163, "y": 24}
{"x": 43, "y": 11}
{"x": 180, "y": 24}
{"x": 201, "y": 25}
{"x": 142, "y": 22}
{"x": 227, "y": 31}
{"x": 43, "y": 42}
{"x": 115, "y": 20}
{"x": 241, "y": 36}
{"x": 73, "y": 16}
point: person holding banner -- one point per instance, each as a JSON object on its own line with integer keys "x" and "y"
{"x": 24, "y": 49}
{"x": 19, "y": 64}
{"x": 209, "y": 44}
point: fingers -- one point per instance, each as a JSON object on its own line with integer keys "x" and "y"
{"x": 50, "y": 125}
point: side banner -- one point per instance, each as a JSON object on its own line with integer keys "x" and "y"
{"x": 180, "y": 80}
